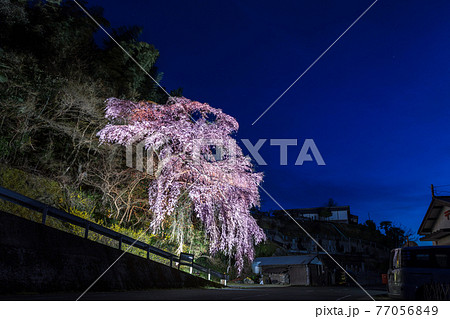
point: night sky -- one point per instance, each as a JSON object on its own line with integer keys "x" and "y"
{"x": 376, "y": 105}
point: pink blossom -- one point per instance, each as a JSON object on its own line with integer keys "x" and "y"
{"x": 221, "y": 191}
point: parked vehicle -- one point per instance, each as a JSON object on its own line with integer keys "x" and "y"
{"x": 420, "y": 273}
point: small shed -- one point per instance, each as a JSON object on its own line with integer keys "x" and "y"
{"x": 304, "y": 270}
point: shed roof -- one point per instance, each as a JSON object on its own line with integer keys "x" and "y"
{"x": 288, "y": 260}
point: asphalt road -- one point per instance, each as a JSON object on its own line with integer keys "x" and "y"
{"x": 228, "y": 294}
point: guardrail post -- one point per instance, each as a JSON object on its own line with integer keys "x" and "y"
{"x": 44, "y": 214}
{"x": 86, "y": 231}
{"x": 171, "y": 261}
{"x": 148, "y": 252}
{"x": 209, "y": 274}
{"x": 120, "y": 243}
{"x": 223, "y": 281}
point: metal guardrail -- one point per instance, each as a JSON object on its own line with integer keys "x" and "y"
{"x": 47, "y": 210}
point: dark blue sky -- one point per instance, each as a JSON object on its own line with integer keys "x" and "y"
{"x": 376, "y": 105}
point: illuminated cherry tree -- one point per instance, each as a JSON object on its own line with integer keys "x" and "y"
{"x": 201, "y": 170}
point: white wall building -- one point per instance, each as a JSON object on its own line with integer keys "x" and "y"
{"x": 435, "y": 226}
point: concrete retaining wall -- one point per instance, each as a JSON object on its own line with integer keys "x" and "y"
{"x": 37, "y": 258}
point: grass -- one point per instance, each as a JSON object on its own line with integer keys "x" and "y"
{"x": 80, "y": 204}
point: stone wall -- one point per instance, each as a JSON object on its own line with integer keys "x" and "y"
{"x": 38, "y": 258}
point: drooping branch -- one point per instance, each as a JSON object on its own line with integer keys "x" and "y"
{"x": 221, "y": 188}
